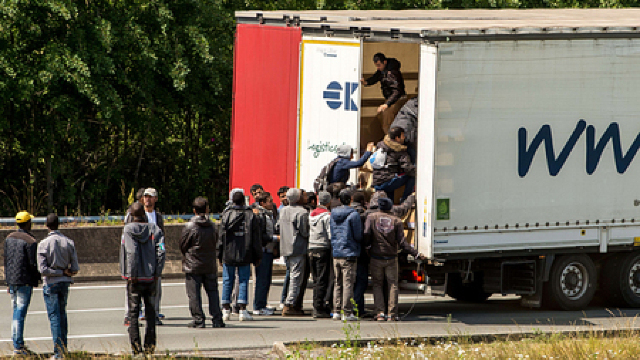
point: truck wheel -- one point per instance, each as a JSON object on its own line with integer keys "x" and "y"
{"x": 622, "y": 274}
{"x": 572, "y": 283}
{"x": 470, "y": 292}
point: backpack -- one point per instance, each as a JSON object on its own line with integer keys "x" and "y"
{"x": 235, "y": 237}
{"x": 322, "y": 181}
{"x": 378, "y": 159}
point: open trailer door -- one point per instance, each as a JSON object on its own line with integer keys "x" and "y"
{"x": 426, "y": 149}
{"x": 330, "y": 72}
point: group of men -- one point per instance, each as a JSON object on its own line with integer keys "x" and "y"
{"x": 331, "y": 235}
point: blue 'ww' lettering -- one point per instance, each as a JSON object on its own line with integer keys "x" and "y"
{"x": 594, "y": 152}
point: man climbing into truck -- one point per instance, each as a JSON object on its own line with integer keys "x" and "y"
{"x": 397, "y": 170}
{"x": 392, "y": 86}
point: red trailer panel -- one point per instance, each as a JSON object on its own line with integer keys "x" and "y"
{"x": 264, "y": 123}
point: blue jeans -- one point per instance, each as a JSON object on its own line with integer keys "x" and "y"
{"x": 285, "y": 286}
{"x": 228, "y": 278}
{"x": 264, "y": 273}
{"x": 55, "y": 298}
{"x": 390, "y": 186}
{"x": 20, "y": 299}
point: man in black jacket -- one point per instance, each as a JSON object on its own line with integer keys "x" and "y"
{"x": 21, "y": 274}
{"x": 240, "y": 246}
{"x": 392, "y": 86}
{"x": 198, "y": 245}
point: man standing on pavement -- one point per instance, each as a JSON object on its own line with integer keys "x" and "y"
{"x": 293, "y": 225}
{"x": 255, "y": 190}
{"x": 392, "y": 86}
{"x": 142, "y": 256}
{"x": 346, "y": 235}
{"x": 362, "y": 271}
{"x": 238, "y": 248}
{"x": 385, "y": 233}
{"x": 21, "y": 275}
{"x": 154, "y": 217}
{"x": 58, "y": 263}
{"x": 320, "y": 254}
{"x": 264, "y": 272}
{"x": 128, "y": 219}
{"x": 198, "y": 245}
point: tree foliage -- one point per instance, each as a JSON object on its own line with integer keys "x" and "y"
{"x": 99, "y": 97}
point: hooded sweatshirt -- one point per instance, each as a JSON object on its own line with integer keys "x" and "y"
{"x": 397, "y": 162}
{"x": 198, "y": 245}
{"x": 293, "y": 225}
{"x": 346, "y": 232}
{"x": 240, "y": 237}
{"x": 407, "y": 120}
{"x": 391, "y": 81}
{"x": 397, "y": 210}
{"x": 340, "y": 171}
{"x": 320, "y": 229}
{"x": 142, "y": 252}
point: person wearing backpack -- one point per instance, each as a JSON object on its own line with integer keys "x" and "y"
{"x": 343, "y": 163}
{"x": 397, "y": 170}
{"x": 240, "y": 246}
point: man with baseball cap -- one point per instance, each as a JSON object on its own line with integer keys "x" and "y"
{"x": 154, "y": 217}
{"x": 21, "y": 274}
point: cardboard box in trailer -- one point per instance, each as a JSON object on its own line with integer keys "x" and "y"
{"x": 528, "y": 132}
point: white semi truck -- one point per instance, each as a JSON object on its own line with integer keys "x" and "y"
{"x": 529, "y": 126}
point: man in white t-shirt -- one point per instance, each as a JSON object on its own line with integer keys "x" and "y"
{"x": 154, "y": 217}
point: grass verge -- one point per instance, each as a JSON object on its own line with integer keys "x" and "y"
{"x": 621, "y": 344}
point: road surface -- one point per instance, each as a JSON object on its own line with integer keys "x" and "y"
{"x": 96, "y": 313}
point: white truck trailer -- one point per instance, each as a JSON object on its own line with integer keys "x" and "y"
{"x": 529, "y": 124}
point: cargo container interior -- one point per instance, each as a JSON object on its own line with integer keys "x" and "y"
{"x": 409, "y": 56}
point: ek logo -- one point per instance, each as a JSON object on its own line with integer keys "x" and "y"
{"x": 594, "y": 150}
{"x": 333, "y": 95}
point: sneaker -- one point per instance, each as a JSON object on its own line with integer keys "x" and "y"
{"x": 393, "y": 318}
{"x": 350, "y": 317}
{"x": 380, "y": 317}
{"x": 195, "y": 324}
{"x": 218, "y": 324}
{"x": 159, "y": 322}
{"x": 23, "y": 352}
{"x": 226, "y": 314}
{"x": 263, "y": 312}
{"x": 336, "y": 316}
{"x": 281, "y": 306}
{"x": 142, "y": 317}
{"x": 161, "y": 316}
{"x": 245, "y": 316}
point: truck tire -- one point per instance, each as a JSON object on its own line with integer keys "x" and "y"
{"x": 471, "y": 292}
{"x": 572, "y": 283}
{"x": 621, "y": 280}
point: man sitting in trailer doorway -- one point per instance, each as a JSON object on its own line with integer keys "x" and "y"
{"x": 392, "y": 86}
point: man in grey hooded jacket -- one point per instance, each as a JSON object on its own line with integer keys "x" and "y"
{"x": 293, "y": 225}
{"x": 142, "y": 258}
{"x": 340, "y": 171}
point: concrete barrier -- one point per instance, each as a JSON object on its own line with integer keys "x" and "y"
{"x": 98, "y": 250}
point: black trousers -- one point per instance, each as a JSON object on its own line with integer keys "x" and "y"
{"x": 303, "y": 285}
{"x": 320, "y": 270}
{"x": 194, "y": 284}
{"x": 139, "y": 292}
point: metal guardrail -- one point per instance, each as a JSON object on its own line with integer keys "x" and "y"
{"x": 94, "y": 219}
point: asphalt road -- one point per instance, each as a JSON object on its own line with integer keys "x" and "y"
{"x": 96, "y": 313}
